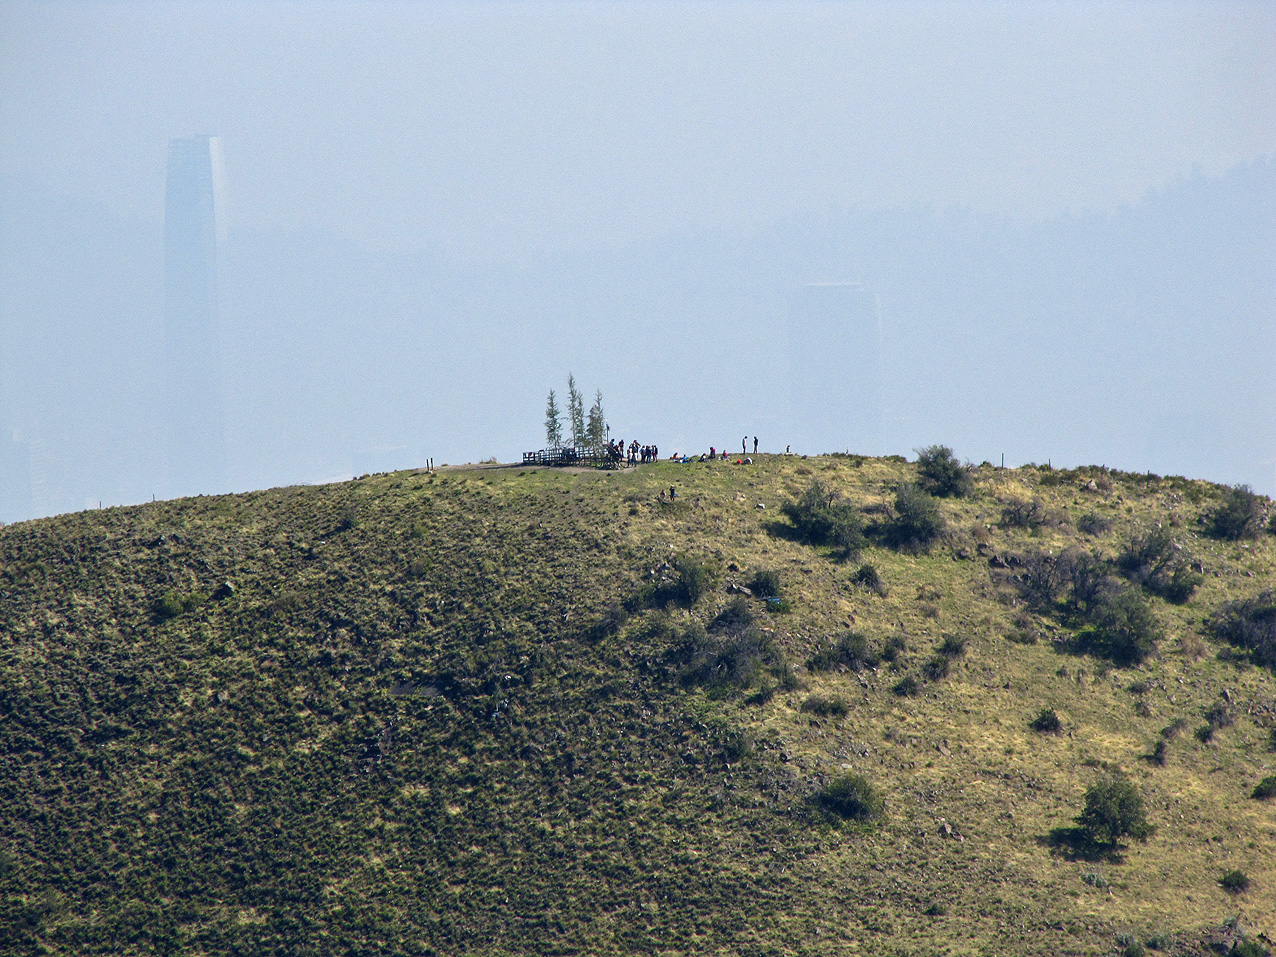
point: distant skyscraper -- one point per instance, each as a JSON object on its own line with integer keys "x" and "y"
{"x": 835, "y": 350}
{"x": 194, "y": 232}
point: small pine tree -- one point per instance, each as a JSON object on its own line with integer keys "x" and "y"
{"x": 596, "y": 428}
{"x": 576, "y": 412}
{"x": 553, "y": 424}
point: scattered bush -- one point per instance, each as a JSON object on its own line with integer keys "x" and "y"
{"x": 851, "y": 649}
{"x": 941, "y": 474}
{"x": 691, "y": 581}
{"x": 1234, "y": 882}
{"x": 1092, "y": 524}
{"x": 953, "y": 646}
{"x": 895, "y": 646}
{"x": 1180, "y": 586}
{"x": 1266, "y": 788}
{"x": 612, "y": 620}
{"x": 1152, "y": 559}
{"x": 739, "y": 657}
{"x": 1239, "y": 515}
{"x": 1174, "y": 729}
{"x": 867, "y": 575}
{"x": 821, "y": 517}
{"x": 1039, "y": 579}
{"x": 1094, "y": 879}
{"x": 936, "y": 668}
{"x": 1248, "y": 948}
{"x": 173, "y": 603}
{"x": 1113, "y": 810}
{"x": 685, "y": 583}
{"x": 1124, "y": 631}
{"x": 917, "y": 522}
{"x": 765, "y": 583}
{"x": 1018, "y": 513}
{"x": 1250, "y": 624}
{"x": 851, "y": 798}
{"x": 1160, "y": 754}
{"x": 1047, "y": 722}
{"x": 906, "y": 687}
{"x": 825, "y": 706}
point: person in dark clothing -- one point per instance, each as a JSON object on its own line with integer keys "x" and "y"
{"x": 755, "y": 445}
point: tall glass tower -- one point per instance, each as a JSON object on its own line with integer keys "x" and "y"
{"x": 835, "y": 354}
{"x": 194, "y": 232}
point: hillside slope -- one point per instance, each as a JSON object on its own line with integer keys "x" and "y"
{"x": 498, "y": 711}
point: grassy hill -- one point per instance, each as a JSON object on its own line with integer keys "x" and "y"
{"x": 498, "y": 710}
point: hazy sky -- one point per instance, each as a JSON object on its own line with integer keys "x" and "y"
{"x": 503, "y": 130}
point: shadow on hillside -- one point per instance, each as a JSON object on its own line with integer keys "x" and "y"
{"x": 781, "y": 528}
{"x": 1075, "y": 844}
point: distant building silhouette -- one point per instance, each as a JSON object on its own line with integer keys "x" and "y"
{"x": 194, "y": 225}
{"x": 835, "y": 374}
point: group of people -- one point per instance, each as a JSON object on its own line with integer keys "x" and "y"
{"x": 633, "y": 453}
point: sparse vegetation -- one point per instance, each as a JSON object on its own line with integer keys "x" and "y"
{"x": 826, "y": 706}
{"x": 520, "y": 711}
{"x": 851, "y": 650}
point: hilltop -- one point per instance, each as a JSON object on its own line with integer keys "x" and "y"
{"x": 510, "y": 710}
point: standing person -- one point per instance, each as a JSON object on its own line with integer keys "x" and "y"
{"x": 744, "y": 445}
{"x": 755, "y": 445}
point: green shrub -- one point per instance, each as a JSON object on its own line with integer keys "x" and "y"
{"x": 1266, "y": 788}
{"x": 1113, "y": 810}
{"x": 1160, "y": 754}
{"x": 765, "y": 583}
{"x": 1250, "y": 624}
{"x": 1234, "y": 882}
{"x": 1248, "y": 948}
{"x": 688, "y": 580}
{"x": 953, "y": 646}
{"x": 736, "y": 660}
{"x": 851, "y": 798}
{"x": 895, "y": 645}
{"x": 906, "y": 687}
{"x": 1124, "y": 631}
{"x": 851, "y": 649}
{"x": 1180, "y": 586}
{"x": 692, "y": 580}
{"x": 821, "y": 517}
{"x": 613, "y": 619}
{"x": 867, "y": 575}
{"x": 936, "y": 668}
{"x": 1239, "y": 515}
{"x": 826, "y": 706}
{"x": 1047, "y": 722}
{"x": 941, "y": 474}
{"x": 173, "y": 603}
{"x": 917, "y": 522}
